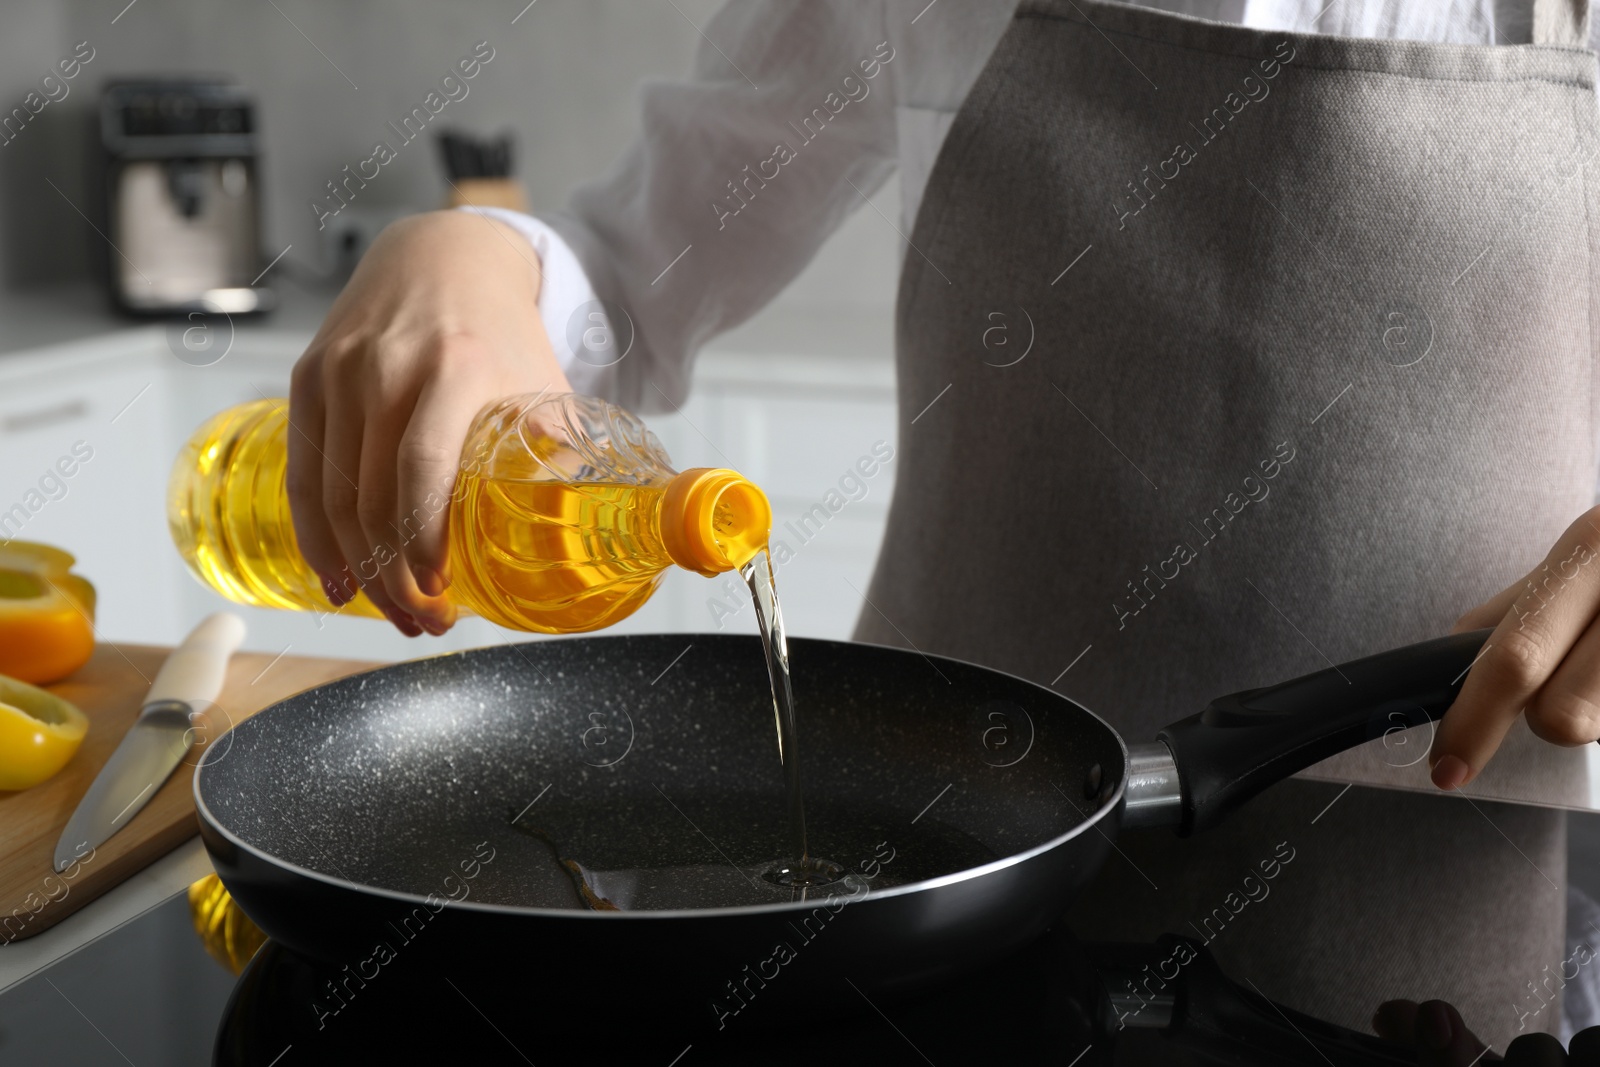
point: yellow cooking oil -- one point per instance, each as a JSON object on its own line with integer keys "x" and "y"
{"x": 563, "y": 518}
{"x": 225, "y": 930}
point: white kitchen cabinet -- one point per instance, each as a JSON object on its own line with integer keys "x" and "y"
{"x": 87, "y": 409}
{"x": 793, "y": 418}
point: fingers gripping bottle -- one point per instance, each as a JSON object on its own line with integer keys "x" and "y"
{"x": 564, "y": 516}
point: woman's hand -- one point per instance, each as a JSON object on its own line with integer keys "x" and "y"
{"x": 1543, "y": 660}
{"x": 1435, "y": 1032}
{"x": 440, "y": 318}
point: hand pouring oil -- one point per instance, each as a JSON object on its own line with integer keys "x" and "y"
{"x": 564, "y": 516}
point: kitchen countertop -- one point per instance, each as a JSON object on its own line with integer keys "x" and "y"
{"x": 783, "y": 344}
{"x": 161, "y": 881}
{"x": 61, "y": 314}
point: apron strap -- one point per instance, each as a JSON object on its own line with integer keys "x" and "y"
{"x": 1563, "y": 22}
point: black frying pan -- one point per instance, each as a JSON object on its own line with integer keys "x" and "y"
{"x": 423, "y": 808}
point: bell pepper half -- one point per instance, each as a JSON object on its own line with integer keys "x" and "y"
{"x": 46, "y": 613}
{"x": 39, "y": 732}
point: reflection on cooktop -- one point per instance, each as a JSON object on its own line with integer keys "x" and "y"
{"x": 1055, "y": 1002}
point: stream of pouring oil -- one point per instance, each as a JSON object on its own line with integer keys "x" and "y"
{"x": 801, "y": 870}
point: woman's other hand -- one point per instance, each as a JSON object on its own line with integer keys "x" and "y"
{"x": 1435, "y": 1032}
{"x": 1542, "y": 660}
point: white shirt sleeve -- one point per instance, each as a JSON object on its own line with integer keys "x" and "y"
{"x": 739, "y": 174}
{"x": 580, "y": 333}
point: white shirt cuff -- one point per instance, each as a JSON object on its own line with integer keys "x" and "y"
{"x": 574, "y": 318}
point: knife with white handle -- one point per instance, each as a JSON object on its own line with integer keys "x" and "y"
{"x": 189, "y": 680}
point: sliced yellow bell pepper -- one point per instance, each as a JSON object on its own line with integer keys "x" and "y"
{"x": 39, "y": 732}
{"x": 46, "y": 613}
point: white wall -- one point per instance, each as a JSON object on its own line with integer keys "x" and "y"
{"x": 564, "y": 80}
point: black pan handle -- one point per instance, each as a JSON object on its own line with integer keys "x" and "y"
{"x": 1241, "y": 744}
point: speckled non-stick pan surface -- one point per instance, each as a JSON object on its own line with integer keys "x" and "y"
{"x": 443, "y": 780}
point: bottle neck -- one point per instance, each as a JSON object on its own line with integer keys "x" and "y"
{"x": 714, "y": 520}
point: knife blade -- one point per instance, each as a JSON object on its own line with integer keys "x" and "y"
{"x": 191, "y": 677}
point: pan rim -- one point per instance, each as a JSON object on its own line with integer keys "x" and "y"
{"x": 1091, "y": 820}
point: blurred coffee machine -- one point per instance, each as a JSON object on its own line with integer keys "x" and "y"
{"x": 182, "y": 200}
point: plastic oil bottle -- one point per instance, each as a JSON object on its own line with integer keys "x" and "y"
{"x": 564, "y": 516}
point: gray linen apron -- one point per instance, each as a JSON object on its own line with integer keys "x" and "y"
{"x": 1224, "y": 354}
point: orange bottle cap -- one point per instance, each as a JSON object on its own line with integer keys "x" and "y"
{"x": 714, "y": 520}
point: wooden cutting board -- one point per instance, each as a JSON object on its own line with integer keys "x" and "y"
{"x": 110, "y": 689}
